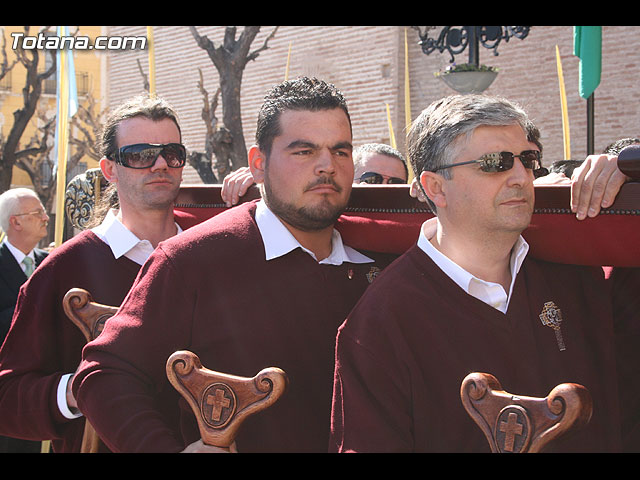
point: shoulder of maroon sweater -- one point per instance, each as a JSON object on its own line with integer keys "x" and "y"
{"x": 393, "y": 288}
{"x": 76, "y": 245}
{"x": 84, "y": 261}
{"x": 395, "y": 267}
{"x": 582, "y": 272}
{"x": 230, "y": 230}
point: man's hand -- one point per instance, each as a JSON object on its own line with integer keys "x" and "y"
{"x": 235, "y": 185}
{"x": 200, "y": 447}
{"x": 554, "y": 178}
{"x": 415, "y": 191}
{"x": 595, "y": 184}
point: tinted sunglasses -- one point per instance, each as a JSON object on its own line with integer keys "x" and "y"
{"x": 503, "y": 161}
{"x": 373, "y": 178}
{"x": 145, "y": 155}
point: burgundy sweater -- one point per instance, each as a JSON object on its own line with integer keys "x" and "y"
{"x": 43, "y": 344}
{"x": 625, "y": 285}
{"x": 212, "y": 292}
{"x": 405, "y": 349}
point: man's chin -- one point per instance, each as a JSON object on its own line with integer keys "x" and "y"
{"x": 162, "y": 200}
{"x": 309, "y": 218}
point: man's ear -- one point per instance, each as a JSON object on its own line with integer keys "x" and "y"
{"x": 15, "y": 223}
{"x": 108, "y": 168}
{"x": 257, "y": 160}
{"x": 432, "y": 183}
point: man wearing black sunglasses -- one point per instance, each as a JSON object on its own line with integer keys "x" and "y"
{"x": 377, "y": 164}
{"x": 467, "y": 297}
{"x": 142, "y": 159}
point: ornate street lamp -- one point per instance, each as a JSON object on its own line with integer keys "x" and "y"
{"x": 470, "y": 77}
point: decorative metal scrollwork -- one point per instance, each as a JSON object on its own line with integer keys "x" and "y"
{"x": 82, "y": 192}
{"x": 456, "y": 39}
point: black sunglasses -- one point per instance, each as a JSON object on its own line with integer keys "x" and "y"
{"x": 374, "y": 178}
{"x": 145, "y": 155}
{"x": 503, "y": 161}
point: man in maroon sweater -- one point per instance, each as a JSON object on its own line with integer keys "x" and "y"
{"x": 467, "y": 298}
{"x": 263, "y": 284}
{"x": 43, "y": 347}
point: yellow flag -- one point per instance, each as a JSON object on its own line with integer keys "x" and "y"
{"x": 286, "y": 71}
{"x": 407, "y": 97}
{"x": 152, "y": 63}
{"x": 563, "y": 103}
{"x": 392, "y": 137}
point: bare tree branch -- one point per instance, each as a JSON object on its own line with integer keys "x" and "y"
{"x": 230, "y": 59}
{"x": 253, "y": 55}
{"x": 5, "y": 66}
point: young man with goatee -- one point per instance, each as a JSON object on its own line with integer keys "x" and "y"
{"x": 266, "y": 283}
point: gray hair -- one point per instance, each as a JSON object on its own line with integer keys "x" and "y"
{"x": 434, "y": 138}
{"x": 10, "y": 204}
{"x": 379, "y": 148}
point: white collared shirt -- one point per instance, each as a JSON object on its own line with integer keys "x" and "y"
{"x": 279, "y": 241}
{"x": 491, "y": 293}
{"x": 122, "y": 243}
{"x": 18, "y": 255}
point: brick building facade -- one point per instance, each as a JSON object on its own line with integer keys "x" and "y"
{"x": 368, "y": 64}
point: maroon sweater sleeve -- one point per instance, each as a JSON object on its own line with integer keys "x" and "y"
{"x": 43, "y": 344}
{"x": 116, "y": 381}
{"x": 370, "y": 391}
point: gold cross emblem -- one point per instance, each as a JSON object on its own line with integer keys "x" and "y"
{"x": 551, "y": 316}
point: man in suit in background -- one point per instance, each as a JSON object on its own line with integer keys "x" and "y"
{"x": 24, "y": 222}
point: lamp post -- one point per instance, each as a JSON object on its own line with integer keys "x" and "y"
{"x": 471, "y": 77}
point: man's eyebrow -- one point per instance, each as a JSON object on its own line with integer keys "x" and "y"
{"x": 301, "y": 144}
{"x": 341, "y": 145}
{"x": 309, "y": 144}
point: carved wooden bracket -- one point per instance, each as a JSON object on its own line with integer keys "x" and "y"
{"x": 518, "y": 424}
{"x": 86, "y": 314}
{"x": 221, "y": 402}
{"x": 89, "y": 317}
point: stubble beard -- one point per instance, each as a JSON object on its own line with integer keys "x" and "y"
{"x": 307, "y": 218}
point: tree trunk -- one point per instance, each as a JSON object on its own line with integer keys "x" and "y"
{"x": 31, "y": 92}
{"x": 230, "y": 60}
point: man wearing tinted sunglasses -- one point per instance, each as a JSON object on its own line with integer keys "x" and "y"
{"x": 377, "y": 164}
{"x": 142, "y": 159}
{"x": 467, "y": 297}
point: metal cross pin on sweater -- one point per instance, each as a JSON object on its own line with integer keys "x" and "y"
{"x": 551, "y": 316}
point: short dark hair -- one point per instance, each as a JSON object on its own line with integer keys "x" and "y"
{"x": 303, "y": 93}
{"x": 153, "y": 108}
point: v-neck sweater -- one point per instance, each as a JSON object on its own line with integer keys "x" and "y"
{"x": 413, "y": 337}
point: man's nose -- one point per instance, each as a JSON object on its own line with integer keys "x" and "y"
{"x": 325, "y": 161}
{"x": 519, "y": 175}
{"x": 160, "y": 164}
